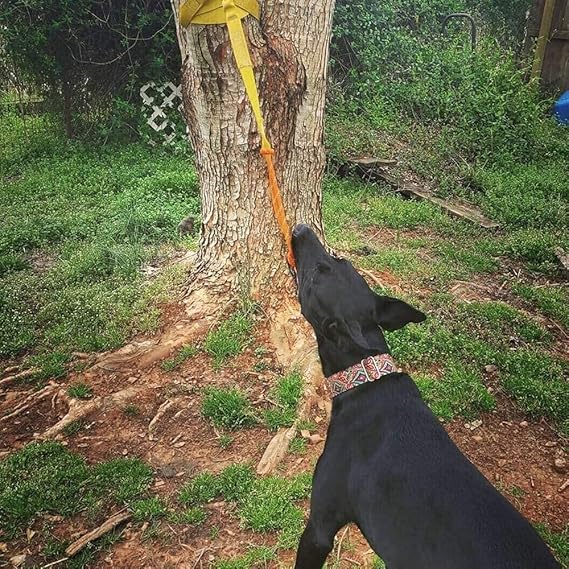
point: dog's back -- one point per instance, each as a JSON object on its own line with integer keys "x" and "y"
{"x": 419, "y": 502}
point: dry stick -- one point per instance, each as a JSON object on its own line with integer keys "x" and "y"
{"x": 340, "y": 546}
{"x": 26, "y": 403}
{"x": 563, "y": 486}
{"x": 199, "y": 558}
{"x": 95, "y": 534}
{"x": 54, "y": 563}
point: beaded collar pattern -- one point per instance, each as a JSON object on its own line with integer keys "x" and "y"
{"x": 368, "y": 370}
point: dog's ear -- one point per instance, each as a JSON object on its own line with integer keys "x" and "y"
{"x": 392, "y": 314}
{"x": 344, "y": 334}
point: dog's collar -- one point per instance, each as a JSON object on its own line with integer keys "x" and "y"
{"x": 368, "y": 370}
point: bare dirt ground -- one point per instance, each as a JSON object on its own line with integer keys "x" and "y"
{"x": 514, "y": 453}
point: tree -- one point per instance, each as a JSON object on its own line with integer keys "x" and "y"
{"x": 240, "y": 243}
{"x": 81, "y": 53}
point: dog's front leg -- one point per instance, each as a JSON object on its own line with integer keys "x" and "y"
{"x": 315, "y": 545}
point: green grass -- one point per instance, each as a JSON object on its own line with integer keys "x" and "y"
{"x": 149, "y": 510}
{"x": 80, "y": 391}
{"x": 263, "y": 504}
{"x": 73, "y": 428}
{"x": 286, "y": 394}
{"x": 459, "y": 392}
{"x": 230, "y": 338}
{"x": 184, "y": 354}
{"x": 79, "y": 222}
{"x": 227, "y": 408}
{"x": 553, "y": 302}
{"x": 46, "y": 478}
{"x": 559, "y": 543}
{"x": 191, "y": 516}
{"x": 257, "y": 556}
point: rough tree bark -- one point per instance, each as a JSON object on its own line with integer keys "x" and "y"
{"x": 240, "y": 243}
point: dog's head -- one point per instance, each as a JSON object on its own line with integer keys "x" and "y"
{"x": 344, "y": 312}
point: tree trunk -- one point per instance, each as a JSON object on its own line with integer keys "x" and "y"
{"x": 240, "y": 243}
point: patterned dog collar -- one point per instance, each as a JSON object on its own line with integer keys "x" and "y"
{"x": 368, "y": 370}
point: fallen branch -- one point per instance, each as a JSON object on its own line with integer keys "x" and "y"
{"x": 29, "y": 402}
{"x": 95, "y": 534}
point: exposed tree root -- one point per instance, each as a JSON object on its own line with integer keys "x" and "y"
{"x": 30, "y": 401}
{"x": 295, "y": 346}
{"x": 200, "y": 308}
{"x": 17, "y": 376}
{"x": 80, "y": 409}
{"x": 160, "y": 413}
{"x": 95, "y": 534}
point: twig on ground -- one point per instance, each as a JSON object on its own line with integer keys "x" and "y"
{"x": 199, "y": 557}
{"x": 95, "y": 534}
{"x": 563, "y": 486}
{"x": 340, "y": 541}
{"x": 55, "y": 563}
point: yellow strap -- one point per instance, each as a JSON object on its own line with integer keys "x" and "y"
{"x": 231, "y": 12}
{"x": 212, "y": 11}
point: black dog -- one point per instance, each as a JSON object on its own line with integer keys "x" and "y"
{"x": 388, "y": 464}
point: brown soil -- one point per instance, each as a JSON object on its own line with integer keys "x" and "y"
{"x": 514, "y": 453}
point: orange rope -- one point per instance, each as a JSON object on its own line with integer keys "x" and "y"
{"x": 278, "y": 207}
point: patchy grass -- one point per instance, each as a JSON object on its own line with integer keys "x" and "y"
{"x": 264, "y": 504}
{"x": 286, "y": 394}
{"x": 257, "y": 556}
{"x": 559, "y": 543}
{"x": 47, "y": 478}
{"x": 551, "y": 301}
{"x": 458, "y": 392}
{"x": 185, "y": 353}
{"x": 230, "y": 338}
{"x": 80, "y": 391}
{"x": 227, "y": 408}
{"x": 149, "y": 509}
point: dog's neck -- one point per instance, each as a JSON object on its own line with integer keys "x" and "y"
{"x": 335, "y": 358}
{"x": 367, "y": 371}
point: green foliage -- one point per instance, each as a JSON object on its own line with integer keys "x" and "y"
{"x": 73, "y": 428}
{"x": 79, "y": 391}
{"x": 184, "y": 354}
{"x": 270, "y": 504}
{"x": 559, "y": 543}
{"x": 149, "y": 509}
{"x": 202, "y": 489}
{"x": 538, "y": 384}
{"x": 120, "y": 480}
{"x": 264, "y": 504}
{"x": 553, "y": 302}
{"x": 47, "y": 478}
{"x": 191, "y": 516}
{"x": 236, "y": 481}
{"x": 227, "y": 408}
{"x": 85, "y": 220}
{"x": 230, "y": 338}
{"x": 459, "y": 392}
{"x": 258, "y": 556}
{"x": 81, "y": 53}
{"x": 287, "y": 394}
